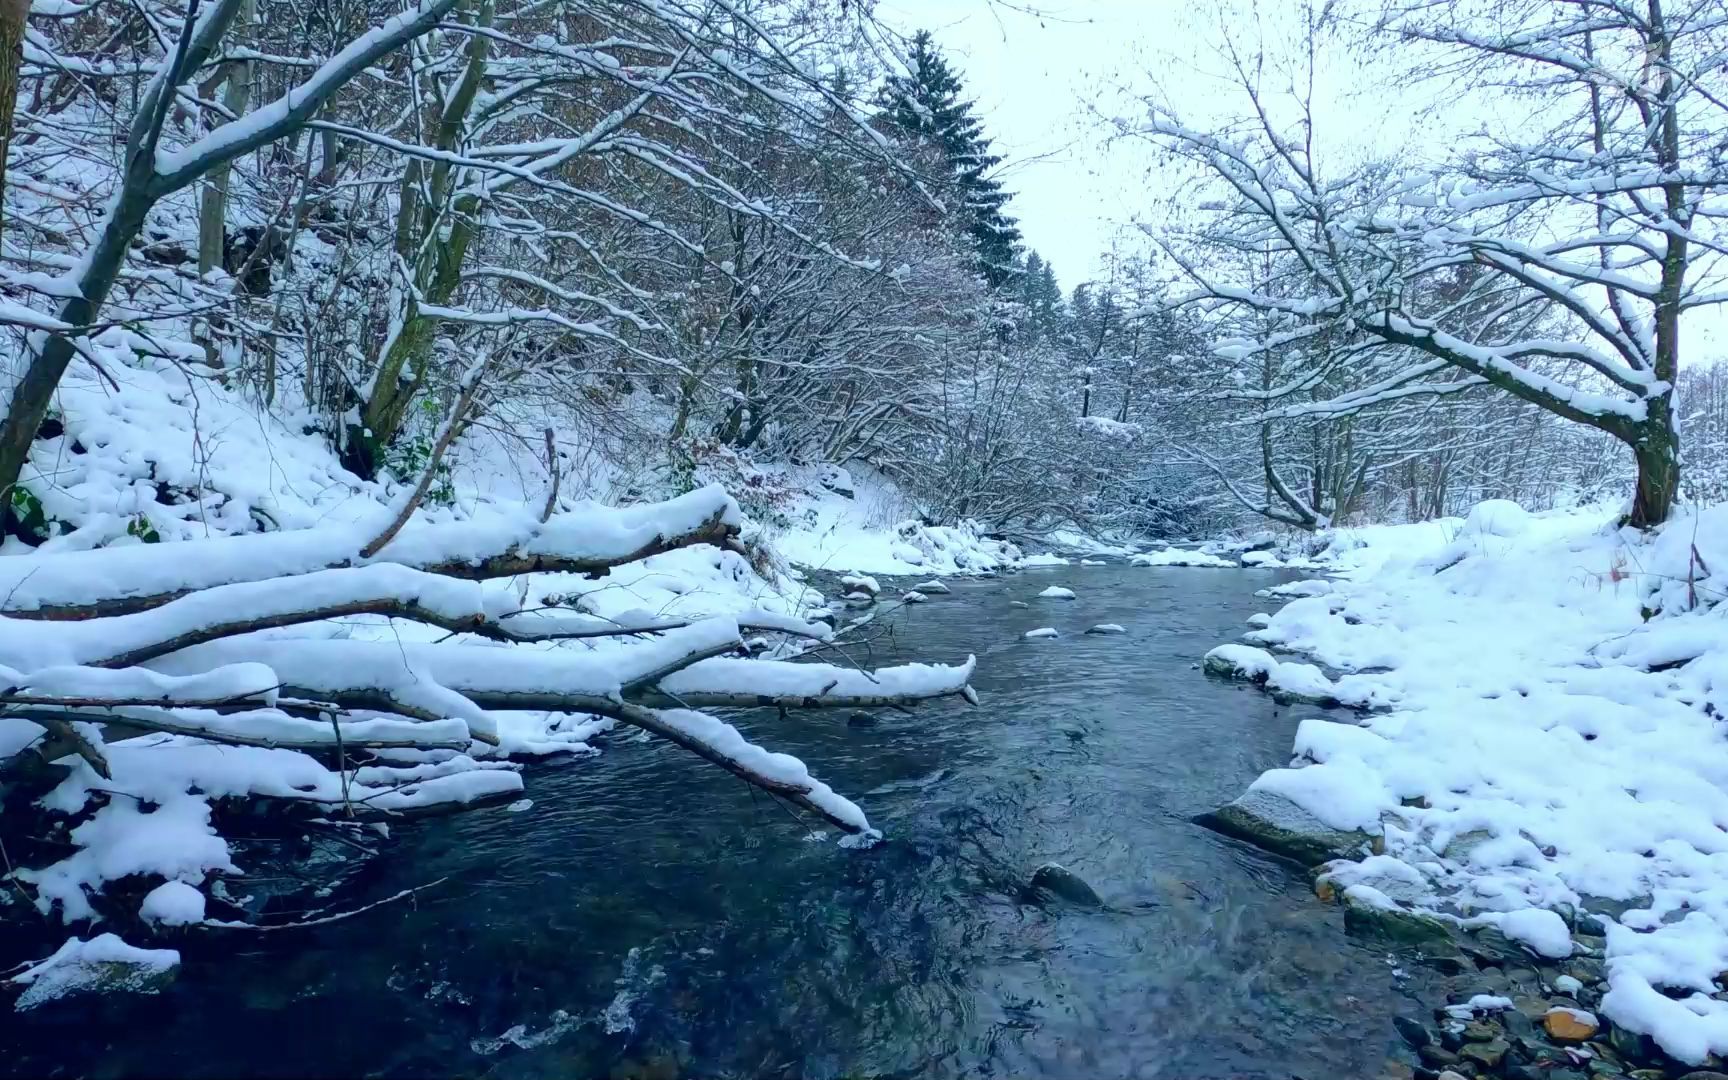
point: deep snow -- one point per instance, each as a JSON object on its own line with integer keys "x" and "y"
{"x": 1544, "y": 730}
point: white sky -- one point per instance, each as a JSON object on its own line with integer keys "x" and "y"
{"x": 1034, "y": 75}
{"x": 1031, "y": 76}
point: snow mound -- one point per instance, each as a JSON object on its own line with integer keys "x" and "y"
{"x": 1497, "y": 517}
{"x": 1303, "y": 682}
{"x": 1056, "y": 592}
{"x": 1045, "y": 559}
{"x": 1549, "y": 690}
{"x": 1178, "y": 557}
{"x": 173, "y": 903}
{"x": 1540, "y": 929}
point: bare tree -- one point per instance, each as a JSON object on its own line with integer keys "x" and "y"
{"x": 1605, "y": 218}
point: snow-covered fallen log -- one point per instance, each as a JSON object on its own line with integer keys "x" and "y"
{"x": 141, "y": 687}
{"x": 589, "y": 539}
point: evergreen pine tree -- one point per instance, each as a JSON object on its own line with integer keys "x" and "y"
{"x": 926, "y": 104}
{"x": 1041, "y": 295}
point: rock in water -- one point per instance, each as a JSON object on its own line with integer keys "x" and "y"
{"x": 1107, "y": 628}
{"x": 1412, "y": 1032}
{"x": 860, "y": 583}
{"x": 1040, "y": 633}
{"x": 103, "y": 964}
{"x": 1056, "y": 592}
{"x": 1271, "y": 821}
{"x": 913, "y": 597}
{"x": 1018, "y": 603}
{"x": 863, "y": 719}
{"x": 1059, "y": 881}
{"x": 932, "y": 586}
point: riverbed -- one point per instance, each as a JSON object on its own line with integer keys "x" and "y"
{"x": 648, "y": 917}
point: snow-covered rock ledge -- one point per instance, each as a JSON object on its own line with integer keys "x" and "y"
{"x": 1549, "y": 739}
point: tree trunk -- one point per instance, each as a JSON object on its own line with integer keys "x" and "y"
{"x": 437, "y": 269}
{"x": 12, "y": 14}
{"x": 1657, "y": 452}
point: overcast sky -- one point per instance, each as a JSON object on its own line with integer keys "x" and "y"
{"x": 1034, "y": 75}
{"x": 1030, "y": 75}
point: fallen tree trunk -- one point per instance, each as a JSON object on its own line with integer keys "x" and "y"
{"x": 588, "y": 540}
{"x": 236, "y": 664}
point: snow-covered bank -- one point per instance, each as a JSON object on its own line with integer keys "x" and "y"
{"x": 1546, "y": 731}
{"x": 852, "y": 521}
{"x": 210, "y": 611}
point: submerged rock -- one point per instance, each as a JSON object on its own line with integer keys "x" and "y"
{"x": 103, "y": 964}
{"x": 863, "y": 719}
{"x": 1486, "y": 1055}
{"x": 1427, "y": 939}
{"x": 1367, "y": 914}
{"x": 1412, "y": 1032}
{"x": 1059, "y": 881}
{"x": 1271, "y": 821}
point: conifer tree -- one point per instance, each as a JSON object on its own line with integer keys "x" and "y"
{"x": 926, "y": 104}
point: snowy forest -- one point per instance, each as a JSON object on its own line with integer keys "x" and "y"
{"x": 414, "y": 404}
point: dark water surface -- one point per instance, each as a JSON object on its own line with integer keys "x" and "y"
{"x": 648, "y": 918}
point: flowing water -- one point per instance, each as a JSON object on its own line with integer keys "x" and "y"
{"x": 647, "y": 917}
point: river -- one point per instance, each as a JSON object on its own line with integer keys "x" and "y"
{"x": 647, "y": 917}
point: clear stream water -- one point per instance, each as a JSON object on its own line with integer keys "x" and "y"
{"x": 648, "y": 918}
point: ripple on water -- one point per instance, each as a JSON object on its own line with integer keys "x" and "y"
{"x": 647, "y": 913}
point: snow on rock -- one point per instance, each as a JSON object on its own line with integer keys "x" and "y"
{"x": 1543, "y": 931}
{"x": 1548, "y": 691}
{"x": 913, "y": 596}
{"x": 1043, "y": 632}
{"x": 1274, "y": 821}
{"x": 1107, "y": 628}
{"x": 1056, "y": 592}
{"x": 1303, "y": 682}
{"x": 1045, "y": 559}
{"x": 172, "y": 903}
{"x": 1569, "y": 1025}
{"x": 1178, "y": 557}
{"x": 860, "y": 583}
{"x": 103, "y": 963}
{"x": 1309, "y": 587}
{"x": 932, "y": 586}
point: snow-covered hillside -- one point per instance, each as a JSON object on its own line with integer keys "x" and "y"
{"x": 1547, "y": 731}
